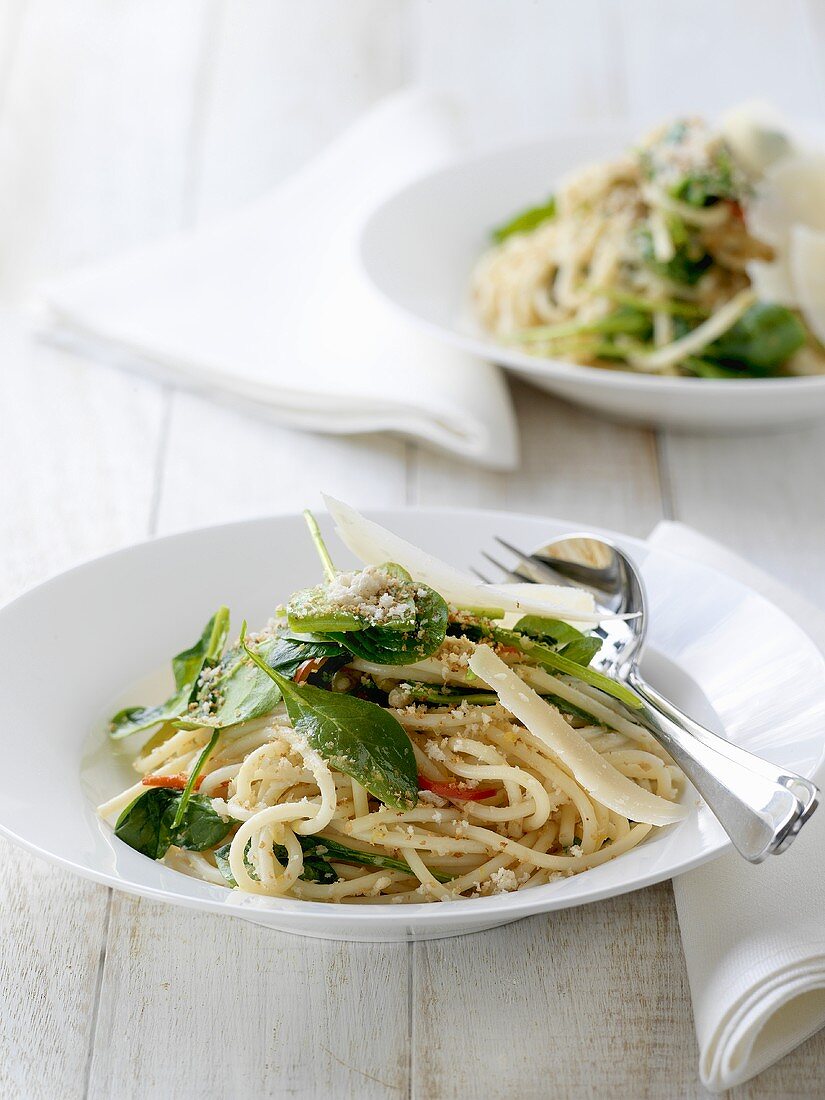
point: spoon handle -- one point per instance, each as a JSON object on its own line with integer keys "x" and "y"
{"x": 760, "y": 806}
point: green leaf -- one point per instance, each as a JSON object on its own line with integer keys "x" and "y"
{"x": 688, "y": 265}
{"x": 186, "y": 795}
{"x": 141, "y": 824}
{"x": 331, "y": 849}
{"x": 412, "y": 635}
{"x": 385, "y": 646}
{"x": 239, "y": 691}
{"x": 581, "y": 650}
{"x": 147, "y": 825}
{"x": 547, "y": 657}
{"x": 318, "y": 851}
{"x": 289, "y": 653}
{"x": 202, "y": 827}
{"x": 537, "y": 626}
{"x": 763, "y": 338}
{"x": 426, "y": 693}
{"x": 627, "y": 321}
{"x": 526, "y": 220}
{"x": 716, "y": 180}
{"x": 354, "y": 736}
{"x": 313, "y": 611}
{"x": 316, "y": 868}
{"x": 187, "y": 667}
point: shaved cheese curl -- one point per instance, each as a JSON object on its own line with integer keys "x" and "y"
{"x": 374, "y": 545}
{"x": 597, "y": 775}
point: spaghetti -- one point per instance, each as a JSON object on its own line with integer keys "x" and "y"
{"x": 477, "y": 769}
{"x": 641, "y": 263}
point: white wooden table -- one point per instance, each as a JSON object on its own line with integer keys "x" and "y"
{"x": 124, "y": 119}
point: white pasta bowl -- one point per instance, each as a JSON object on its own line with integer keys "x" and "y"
{"x": 75, "y": 648}
{"x": 419, "y": 247}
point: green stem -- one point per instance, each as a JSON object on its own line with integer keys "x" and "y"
{"x": 190, "y": 784}
{"x": 320, "y": 546}
{"x": 650, "y": 305}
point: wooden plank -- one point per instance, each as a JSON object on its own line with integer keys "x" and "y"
{"x": 546, "y": 984}
{"x": 198, "y": 1005}
{"x": 259, "y": 468}
{"x": 294, "y": 1016}
{"x": 759, "y": 494}
{"x": 574, "y": 466}
{"x": 52, "y": 925}
{"x": 92, "y": 104}
{"x": 78, "y": 447}
{"x": 585, "y": 1002}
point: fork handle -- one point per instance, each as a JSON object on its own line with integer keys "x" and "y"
{"x": 760, "y": 806}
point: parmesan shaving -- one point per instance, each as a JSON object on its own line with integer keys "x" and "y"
{"x": 590, "y": 769}
{"x": 374, "y": 545}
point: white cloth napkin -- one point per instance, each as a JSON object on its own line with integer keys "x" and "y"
{"x": 267, "y": 308}
{"x": 754, "y": 937}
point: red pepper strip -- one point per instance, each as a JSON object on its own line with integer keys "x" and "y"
{"x": 173, "y": 782}
{"x": 736, "y": 210}
{"x": 304, "y": 671}
{"x": 452, "y": 790}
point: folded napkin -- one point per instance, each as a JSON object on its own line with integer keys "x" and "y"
{"x": 268, "y": 309}
{"x": 754, "y": 937}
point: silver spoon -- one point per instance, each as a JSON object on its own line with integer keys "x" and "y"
{"x": 760, "y": 806}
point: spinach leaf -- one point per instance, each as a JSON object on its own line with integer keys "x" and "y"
{"x": 625, "y": 321}
{"x": 147, "y": 825}
{"x": 570, "y": 643}
{"x": 688, "y": 264}
{"x": 354, "y": 736}
{"x": 554, "y": 630}
{"x": 331, "y": 849}
{"x": 316, "y": 868}
{"x": 141, "y": 824}
{"x": 290, "y": 652}
{"x": 526, "y": 220}
{"x": 186, "y": 794}
{"x": 763, "y": 338}
{"x": 202, "y": 827}
{"x": 239, "y": 691}
{"x": 390, "y": 646}
{"x": 426, "y": 693}
{"x": 547, "y": 657}
{"x": 582, "y": 650}
{"x": 310, "y": 612}
{"x": 187, "y": 668}
{"x": 716, "y": 180}
{"x": 318, "y": 851}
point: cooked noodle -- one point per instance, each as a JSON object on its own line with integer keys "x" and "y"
{"x": 539, "y": 825}
{"x": 620, "y": 267}
{"x": 471, "y": 771}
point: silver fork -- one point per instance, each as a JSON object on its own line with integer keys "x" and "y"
{"x": 761, "y": 807}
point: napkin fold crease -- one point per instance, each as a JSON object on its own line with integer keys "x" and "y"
{"x": 267, "y": 309}
{"x": 753, "y": 936}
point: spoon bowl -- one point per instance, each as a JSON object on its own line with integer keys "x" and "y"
{"x": 761, "y": 807}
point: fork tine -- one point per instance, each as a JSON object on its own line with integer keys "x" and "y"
{"x": 512, "y": 575}
{"x": 533, "y": 569}
{"x": 481, "y": 577}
